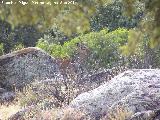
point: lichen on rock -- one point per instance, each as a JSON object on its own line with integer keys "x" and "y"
{"x": 136, "y": 90}
{"x": 24, "y": 66}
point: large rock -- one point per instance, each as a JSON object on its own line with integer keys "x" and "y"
{"x": 96, "y": 78}
{"x": 7, "y": 97}
{"x": 23, "y": 66}
{"x": 137, "y": 91}
{"x": 146, "y": 115}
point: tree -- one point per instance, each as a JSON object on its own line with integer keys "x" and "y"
{"x": 54, "y": 35}
{"x": 6, "y": 36}
{"x": 75, "y": 17}
{"x": 72, "y": 16}
{"x": 26, "y": 35}
{"x": 150, "y": 24}
{"x": 111, "y": 16}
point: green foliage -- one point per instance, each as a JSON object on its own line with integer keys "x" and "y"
{"x": 103, "y": 47}
{"x": 75, "y": 17}
{"x": 69, "y": 17}
{"x": 54, "y": 35}
{"x": 155, "y": 57}
{"x": 133, "y": 40}
{"x": 150, "y": 24}
{"x": 111, "y": 16}
{"x": 25, "y": 35}
{"x": 6, "y": 36}
{"x": 1, "y": 49}
{"x": 55, "y": 50}
{"x": 44, "y": 45}
{"x": 18, "y": 47}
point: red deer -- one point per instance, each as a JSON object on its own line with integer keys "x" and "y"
{"x": 69, "y": 64}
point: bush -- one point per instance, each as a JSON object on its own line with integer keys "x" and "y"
{"x": 54, "y": 35}
{"x": 104, "y": 47}
{"x": 18, "y": 47}
{"x": 27, "y": 35}
{"x": 1, "y": 49}
{"x": 98, "y": 48}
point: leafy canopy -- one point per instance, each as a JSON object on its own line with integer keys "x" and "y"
{"x": 150, "y": 25}
{"x": 72, "y": 16}
{"x": 75, "y": 17}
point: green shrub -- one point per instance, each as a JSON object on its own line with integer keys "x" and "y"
{"x": 55, "y": 35}
{"x": 1, "y": 49}
{"x": 18, "y": 47}
{"x": 103, "y": 47}
{"x": 43, "y": 44}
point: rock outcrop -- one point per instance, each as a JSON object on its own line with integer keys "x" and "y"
{"x": 137, "y": 91}
{"x": 146, "y": 115}
{"x": 7, "y": 97}
{"x": 23, "y": 66}
{"x": 93, "y": 80}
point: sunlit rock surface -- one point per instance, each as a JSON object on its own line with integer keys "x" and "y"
{"x": 23, "y": 66}
{"x": 146, "y": 115}
{"x": 135, "y": 90}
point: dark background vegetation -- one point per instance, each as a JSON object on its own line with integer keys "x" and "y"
{"x": 103, "y": 45}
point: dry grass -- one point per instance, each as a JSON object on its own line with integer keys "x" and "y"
{"x": 36, "y": 112}
{"x": 6, "y": 111}
{"x": 119, "y": 114}
{"x": 27, "y": 97}
{"x": 72, "y": 114}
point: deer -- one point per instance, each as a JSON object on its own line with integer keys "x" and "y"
{"x": 81, "y": 54}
